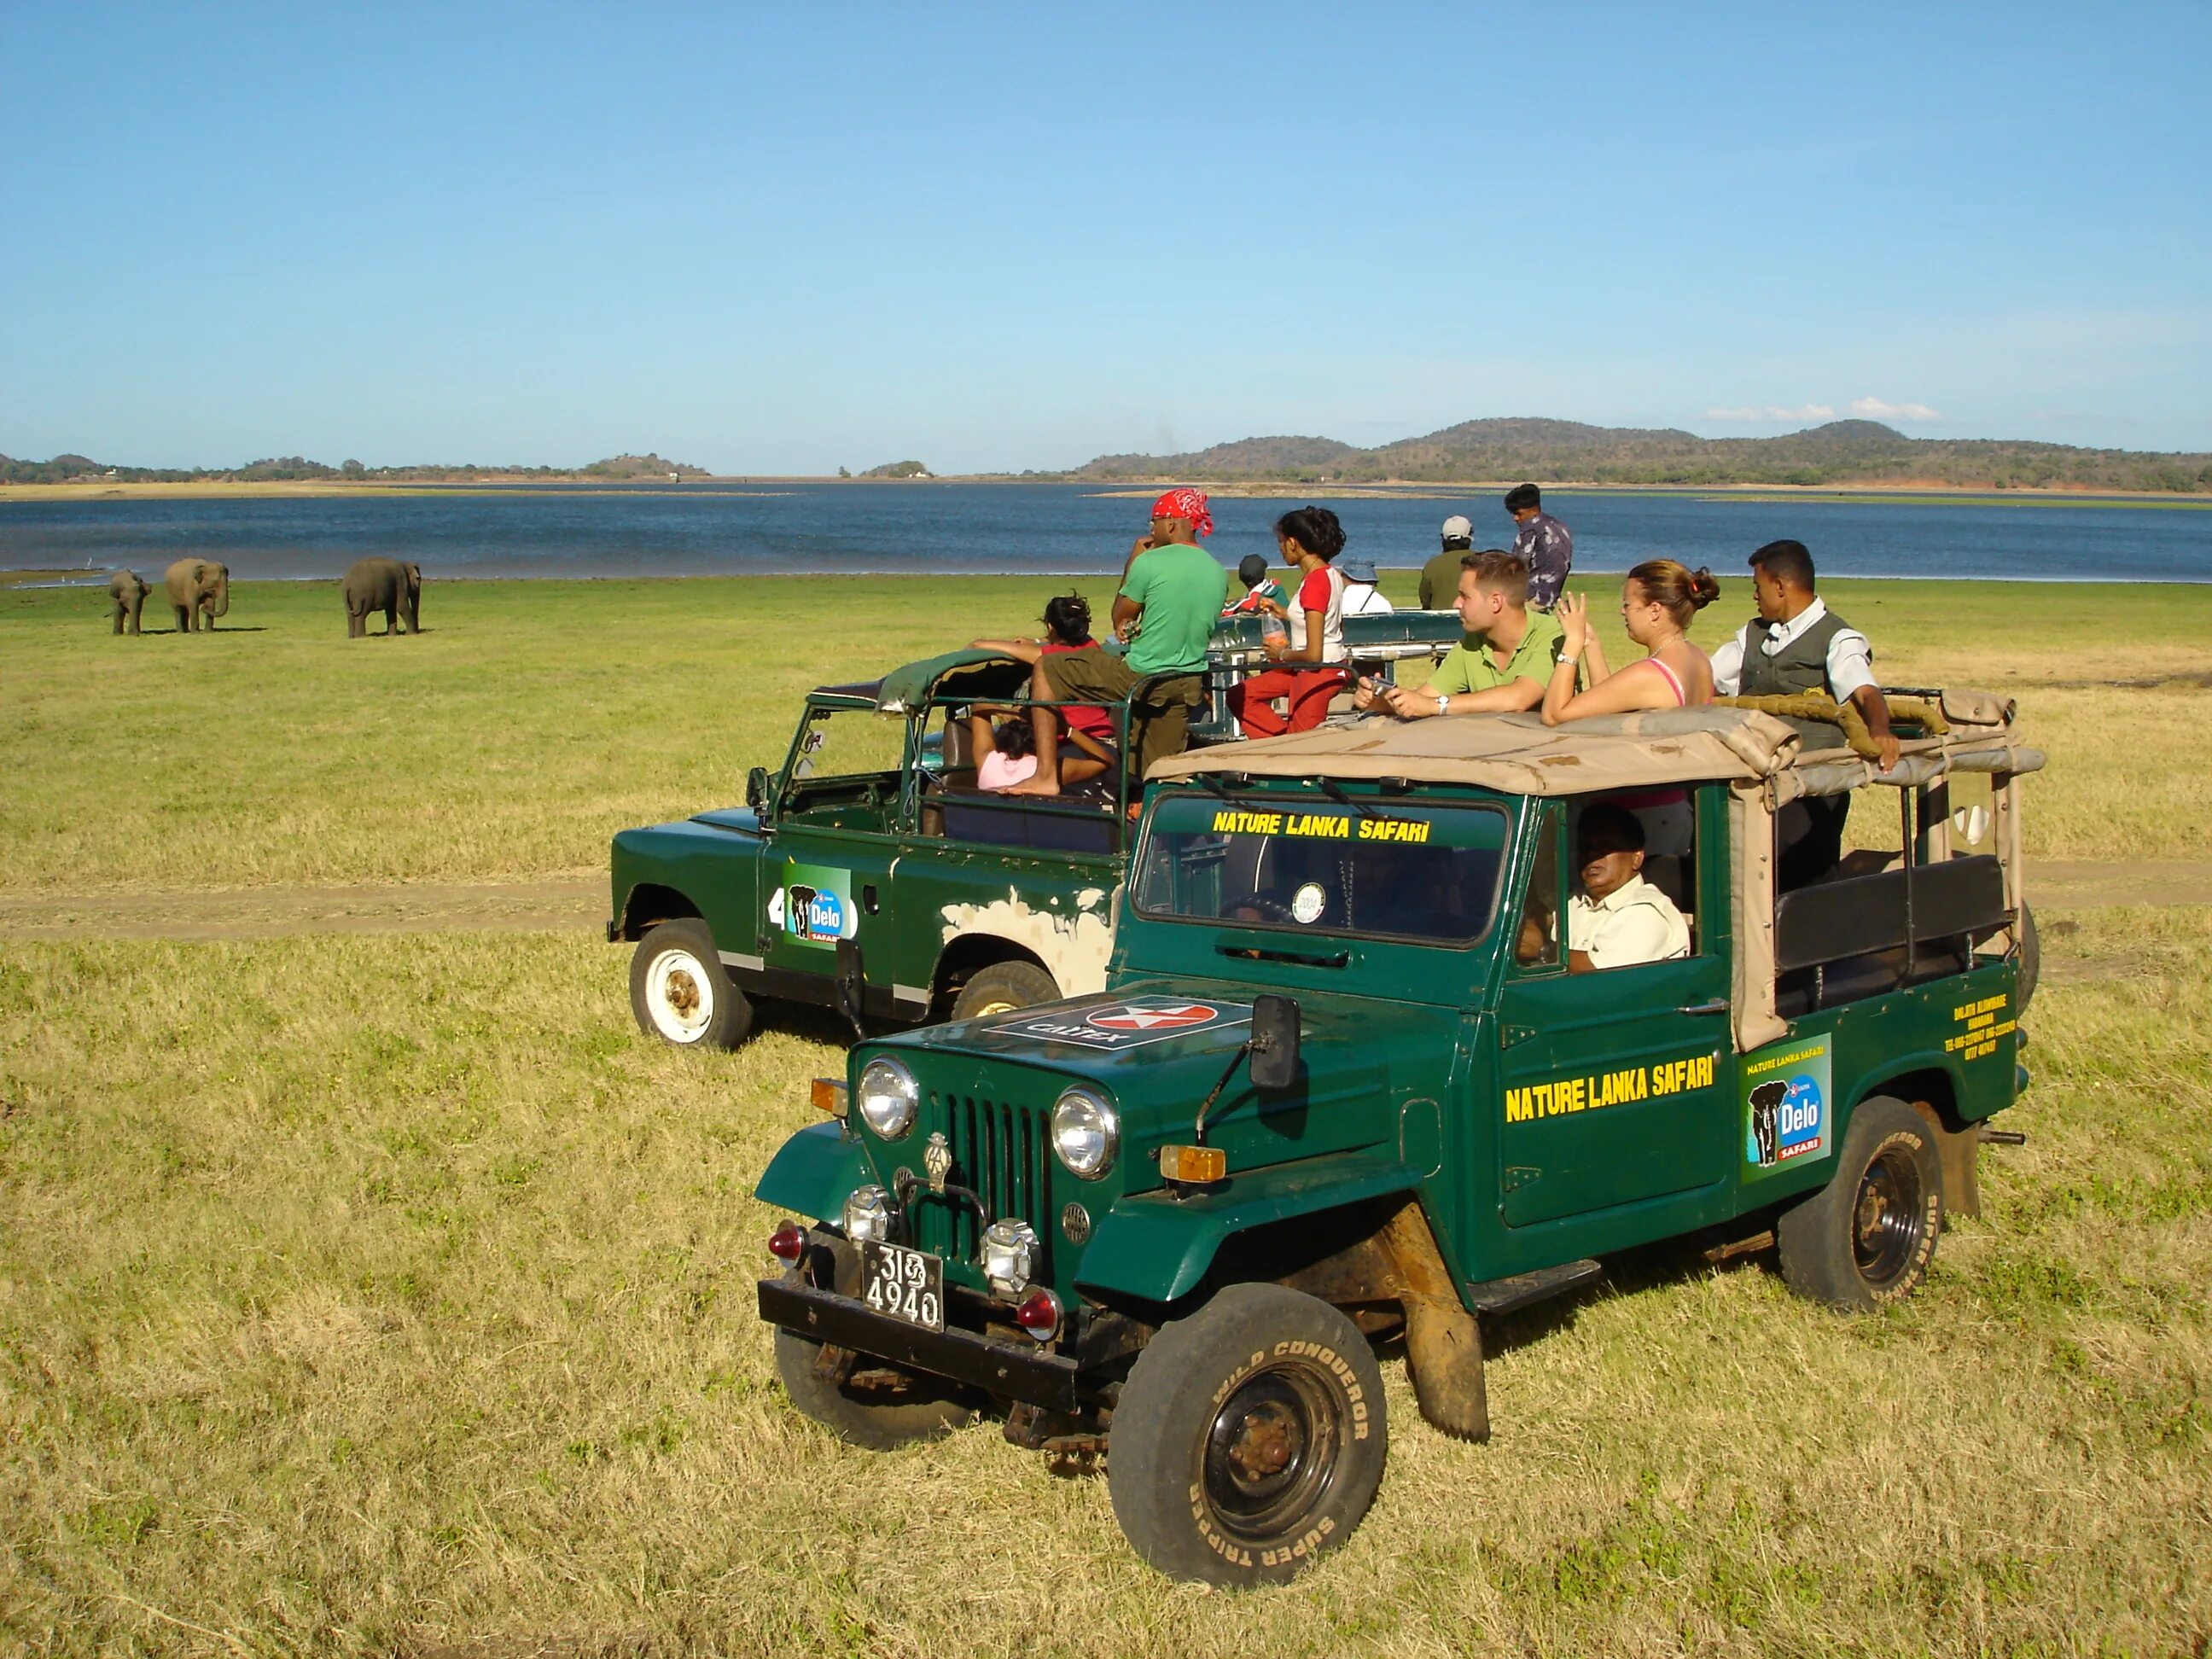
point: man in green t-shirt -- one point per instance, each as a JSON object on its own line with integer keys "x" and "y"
{"x": 1171, "y": 594}
{"x": 1501, "y": 667}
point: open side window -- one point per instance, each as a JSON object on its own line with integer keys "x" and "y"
{"x": 1650, "y": 915}
{"x": 1885, "y": 919}
{"x": 845, "y": 767}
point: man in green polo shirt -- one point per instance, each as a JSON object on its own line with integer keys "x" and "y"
{"x": 1504, "y": 663}
{"x": 1171, "y": 594}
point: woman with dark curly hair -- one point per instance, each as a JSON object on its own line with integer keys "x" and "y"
{"x": 1311, "y": 662}
{"x": 1658, "y": 602}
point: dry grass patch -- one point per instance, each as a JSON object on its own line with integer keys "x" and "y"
{"x": 390, "y": 1294}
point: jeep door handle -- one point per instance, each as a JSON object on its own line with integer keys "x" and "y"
{"x": 1717, "y": 1005}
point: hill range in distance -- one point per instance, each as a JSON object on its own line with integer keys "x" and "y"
{"x": 1494, "y": 451}
{"x": 1544, "y": 451}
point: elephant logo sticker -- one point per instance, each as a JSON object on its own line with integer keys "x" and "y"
{"x": 814, "y": 905}
{"x": 1787, "y": 1113}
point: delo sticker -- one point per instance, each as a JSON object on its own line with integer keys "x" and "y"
{"x": 816, "y": 905}
{"x": 1132, "y": 1024}
{"x": 1788, "y": 1107}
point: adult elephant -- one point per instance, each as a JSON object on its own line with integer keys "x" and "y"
{"x": 385, "y": 585}
{"x": 199, "y": 592}
{"x": 126, "y": 598}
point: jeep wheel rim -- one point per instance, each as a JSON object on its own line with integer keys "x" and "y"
{"x": 680, "y": 996}
{"x": 996, "y": 1005}
{"x": 1888, "y": 1217}
{"x": 1271, "y": 1455}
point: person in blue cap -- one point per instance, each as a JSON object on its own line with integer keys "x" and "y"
{"x": 1361, "y": 598}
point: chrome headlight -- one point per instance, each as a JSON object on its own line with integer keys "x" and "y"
{"x": 868, "y": 1214}
{"x": 1009, "y": 1254}
{"x": 1085, "y": 1133}
{"x": 886, "y": 1097}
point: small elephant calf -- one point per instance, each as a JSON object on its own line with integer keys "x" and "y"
{"x": 385, "y": 585}
{"x": 126, "y": 598}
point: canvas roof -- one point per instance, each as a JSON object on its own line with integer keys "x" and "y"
{"x": 1518, "y": 754}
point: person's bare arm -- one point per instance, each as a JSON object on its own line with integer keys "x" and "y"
{"x": 1127, "y": 612}
{"x": 1640, "y": 685}
{"x": 1514, "y": 698}
{"x": 1026, "y": 651}
{"x": 1316, "y": 622}
{"x": 1874, "y": 708}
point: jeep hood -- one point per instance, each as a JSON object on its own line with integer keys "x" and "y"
{"x": 1159, "y": 1045}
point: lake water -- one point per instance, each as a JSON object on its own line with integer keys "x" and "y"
{"x": 1056, "y": 528}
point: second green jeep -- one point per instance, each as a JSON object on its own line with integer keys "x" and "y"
{"x": 1346, "y": 1082}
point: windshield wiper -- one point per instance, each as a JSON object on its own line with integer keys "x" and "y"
{"x": 1335, "y": 791}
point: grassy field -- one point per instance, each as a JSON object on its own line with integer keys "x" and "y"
{"x": 534, "y": 719}
{"x": 389, "y": 1293}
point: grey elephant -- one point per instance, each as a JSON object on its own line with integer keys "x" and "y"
{"x": 199, "y": 592}
{"x": 126, "y": 598}
{"x": 385, "y": 585}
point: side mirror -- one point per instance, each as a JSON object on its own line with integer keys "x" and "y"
{"x": 1275, "y": 1041}
{"x": 757, "y": 787}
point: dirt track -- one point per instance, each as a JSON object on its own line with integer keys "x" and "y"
{"x": 581, "y": 902}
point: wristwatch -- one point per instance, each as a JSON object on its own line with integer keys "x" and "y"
{"x": 1444, "y": 702}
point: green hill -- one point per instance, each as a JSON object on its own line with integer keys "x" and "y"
{"x": 1507, "y": 450}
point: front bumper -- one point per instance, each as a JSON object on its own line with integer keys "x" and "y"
{"x": 1027, "y": 1374}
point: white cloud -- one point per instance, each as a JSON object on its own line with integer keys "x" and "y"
{"x": 1874, "y": 409}
{"x": 1764, "y": 413}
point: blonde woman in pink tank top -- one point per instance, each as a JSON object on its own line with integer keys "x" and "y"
{"x": 1658, "y": 602}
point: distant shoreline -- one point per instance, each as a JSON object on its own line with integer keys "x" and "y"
{"x": 1228, "y": 489}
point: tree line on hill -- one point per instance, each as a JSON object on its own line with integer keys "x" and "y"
{"x": 81, "y": 469}
{"x": 1841, "y": 452}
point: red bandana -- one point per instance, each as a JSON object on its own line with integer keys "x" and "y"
{"x": 1186, "y": 503}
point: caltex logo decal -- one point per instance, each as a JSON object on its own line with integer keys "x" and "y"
{"x": 1155, "y": 1018}
{"x": 1128, "y": 1023}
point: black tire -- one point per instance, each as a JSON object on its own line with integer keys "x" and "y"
{"x": 863, "y": 1417}
{"x": 2031, "y": 959}
{"x": 679, "y": 993}
{"x": 1259, "y": 1372}
{"x": 1865, "y": 1239}
{"x": 1002, "y": 986}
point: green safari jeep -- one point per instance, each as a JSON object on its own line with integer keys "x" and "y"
{"x": 869, "y": 874}
{"x": 1351, "y": 1079}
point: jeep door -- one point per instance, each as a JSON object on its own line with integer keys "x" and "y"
{"x": 1612, "y": 1087}
{"x": 834, "y": 852}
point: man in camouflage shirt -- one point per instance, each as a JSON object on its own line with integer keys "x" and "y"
{"x": 1545, "y": 544}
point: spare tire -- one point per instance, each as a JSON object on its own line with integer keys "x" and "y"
{"x": 2031, "y": 958}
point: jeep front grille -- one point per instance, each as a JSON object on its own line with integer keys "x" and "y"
{"x": 1004, "y": 1153}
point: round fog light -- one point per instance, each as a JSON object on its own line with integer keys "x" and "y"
{"x": 1009, "y": 1254}
{"x": 867, "y": 1214}
{"x": 1039, "y": 1314}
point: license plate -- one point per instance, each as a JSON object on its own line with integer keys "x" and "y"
{"x": 905, "y": 1284}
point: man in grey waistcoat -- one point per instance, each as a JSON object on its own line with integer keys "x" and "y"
{"x": 1795, "y": 645}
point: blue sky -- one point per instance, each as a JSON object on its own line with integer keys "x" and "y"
{"x": 793, "y": 237}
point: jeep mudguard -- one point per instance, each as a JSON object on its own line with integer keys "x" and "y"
{"x": 1158, "y": 1247}
{"x": 814, "y": 1172}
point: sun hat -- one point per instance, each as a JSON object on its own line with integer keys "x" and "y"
{"x": 1357, "y": 570}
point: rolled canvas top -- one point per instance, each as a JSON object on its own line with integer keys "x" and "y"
{"x": 1519, "y": 755}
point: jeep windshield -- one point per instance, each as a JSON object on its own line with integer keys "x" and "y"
{"x": 1303, "y": 864}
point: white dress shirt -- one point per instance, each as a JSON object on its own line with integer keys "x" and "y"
{"x": 1635, "y": 922}
{"x": 1365, "y": 599}
{"x": 1850, "y": 658}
